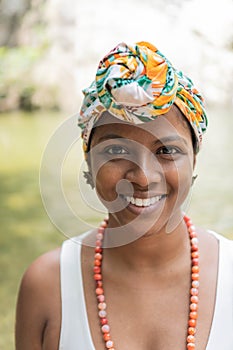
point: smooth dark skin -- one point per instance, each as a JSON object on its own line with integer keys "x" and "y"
{"x": 148, "y": 304}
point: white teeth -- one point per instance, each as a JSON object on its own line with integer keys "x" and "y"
{"x": 139, "y": 202}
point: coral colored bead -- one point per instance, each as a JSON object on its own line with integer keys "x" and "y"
{"x": 97, "y": 276}
{"x": 109, "y": 344}
{"x": 194, "y": 299}
{"x": 195, "y": 276}
{"x": 190, "y": 346}
{"x": 105, "y": 328}
{"x": 106, "y": 336}
{"x": 193, "y": 307}
{"x": 194, "y": 291}
{"x": 102, "y": 306}
{"x": 99, "y": 291}
{"x": 195, "y": 255}
{"x": 98, "y": 256}
{"x": 103, "y": 321}
{"x": 193, "y": 315}
{"x": 195, "y": 261}
{"x": 99, "y": 236}
{"x": 103, "y": 224}
{"x": 102, "y": 313}
{"x": 192, "y": 330}
{"x": 99, "y": 243}
{"x": 97, "y": 269}
{"x": 190, "y": 339}
{"x": 98, "y": 250}
{"x": 195, "y": 284}
{"x": 194, "y": 247}
{"x": 194, "y": 241}
{"x": 195, "y": 269}
{"x": 97, "y": 262}
{"x": 99, "y": 284}
{"x": 192, "y": 323}
{"x": 101, "y": 298}
{"x": 192, "y": 234}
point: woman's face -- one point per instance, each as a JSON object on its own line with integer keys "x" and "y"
{"x": 142, "y": 173}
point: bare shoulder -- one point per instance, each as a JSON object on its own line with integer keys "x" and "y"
{"x": 42, "y": 273}
{"x": 38, "y": 301}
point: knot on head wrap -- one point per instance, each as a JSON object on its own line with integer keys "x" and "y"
{"x": 136, "y": 83}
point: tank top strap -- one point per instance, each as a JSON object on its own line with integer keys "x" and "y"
{"x": 75, "y": 333}
{"x": 221, "y": 334}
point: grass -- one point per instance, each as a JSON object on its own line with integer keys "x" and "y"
{"x": 26, "y": 231}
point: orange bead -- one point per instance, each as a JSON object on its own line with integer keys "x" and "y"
{"x": 195, "y": 255}
{"x": 97, "y": 276}
{"x": 195, "y": 261}
{"x": 195, "y": 269}
{"x": 106, "y": 336}
{"x": 190, "y": 346}
{"x": 192, "y": 323}
{"x": 97, "y": 262}
{"x": 193, "y": 307}
{"x": 195, "y": 284}
{"x": 99, "y": 243}
{"x": 99, "y": 291}
{"x": 190, "y": 339}
{"x": 192, "y": 234}
{"x": 195, "y": 276}
{"x": 194, "y": 299}
{"x": 194, "y": 247}
{"x": 97, "y": 269}
{"x": 191, "y": 330}
{"x": 194, "y": 291}
{"x": 193, "y": 315}
{"x": 98, "y": 250}
{"x": 98, "y": 256}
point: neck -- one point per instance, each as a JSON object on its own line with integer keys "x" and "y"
{"x": 153, "y": 250}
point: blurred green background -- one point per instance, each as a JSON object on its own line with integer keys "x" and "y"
{"x": 48, "y": 53}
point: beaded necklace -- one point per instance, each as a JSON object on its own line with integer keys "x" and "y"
{"x": 105, "y": 328}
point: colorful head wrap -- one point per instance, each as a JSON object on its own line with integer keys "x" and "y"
{"x": 136, "y": 83}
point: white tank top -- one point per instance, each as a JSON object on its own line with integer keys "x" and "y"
{"x": 75, "y": 331}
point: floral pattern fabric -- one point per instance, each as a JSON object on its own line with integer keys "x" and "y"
{"x": 137, "y": 83}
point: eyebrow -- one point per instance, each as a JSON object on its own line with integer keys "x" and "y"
{"x": 110, "y": 136}
{"x": 171, "y": 138}
{"x": 163, "y": 140}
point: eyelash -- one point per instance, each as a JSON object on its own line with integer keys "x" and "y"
{"x": 169, "y": 150}
{"x": 109, "y": 150}
{"x": 165, "y": 151}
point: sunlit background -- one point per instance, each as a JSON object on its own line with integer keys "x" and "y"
{"x": 49, "y": 51}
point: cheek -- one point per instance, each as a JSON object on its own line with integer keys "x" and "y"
{"x": 106, "y": 180}
{"x": 178, "y": 174}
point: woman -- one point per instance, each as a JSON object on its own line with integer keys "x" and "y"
{"x": 146, "y": 278}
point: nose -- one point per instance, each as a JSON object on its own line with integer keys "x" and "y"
{"x": 144, "y": 170}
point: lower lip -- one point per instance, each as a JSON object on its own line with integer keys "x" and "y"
{"x": 145, "y": 210}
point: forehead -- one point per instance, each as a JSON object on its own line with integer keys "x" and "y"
{"x": 171, "y": 124}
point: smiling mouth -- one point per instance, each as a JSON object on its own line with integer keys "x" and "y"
{"x": 143, "y": 202}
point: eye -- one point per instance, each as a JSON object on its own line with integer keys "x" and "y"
{"x": 116, "y": 150}
{"x": 168, "y": 150}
